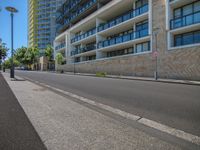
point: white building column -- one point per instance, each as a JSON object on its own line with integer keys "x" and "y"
{"x": 150, "y": 20}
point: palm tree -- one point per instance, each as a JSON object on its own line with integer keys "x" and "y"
{"x": 49, "y": 54}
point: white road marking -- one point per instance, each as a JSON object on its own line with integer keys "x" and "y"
{"x": 150, "y": 123}
{"x": 172, "y": 131}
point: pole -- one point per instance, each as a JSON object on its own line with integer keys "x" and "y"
{"x": 74, "y": 62}
{"x": 12, "y": 75}
{"x": 156, "y": 69}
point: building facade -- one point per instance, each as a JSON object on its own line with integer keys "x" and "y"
{"x": 41, "y": 22}
{"x": 132, "y": 37}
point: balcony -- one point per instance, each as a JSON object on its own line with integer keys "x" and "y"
{"x": 125, "y": 17}
{"x": 83, "y": 50}
{"x": 187, "y": 20}
{"x": 78, "y": 13}
{"x": 123, "y": 38}
{"x": 84, "y": 35}
{"x": 60, "y": 46}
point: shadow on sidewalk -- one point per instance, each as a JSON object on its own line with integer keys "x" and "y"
{"x": 16, "y": 131}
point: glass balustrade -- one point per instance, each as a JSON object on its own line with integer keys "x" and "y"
{"x": 84, "y": 35}
{"x": 77, "y": 13}
{"x": 83, "y": 50}
{"x": 187, "y": 20}
{"x": 60, "y": 46}
{"x": 127, "y": 16}
{"x": 123, "y": 38}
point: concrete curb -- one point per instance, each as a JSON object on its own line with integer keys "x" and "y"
{"x": 186, "y": 82}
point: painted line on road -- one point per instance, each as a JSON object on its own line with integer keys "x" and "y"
{"x": 150, "y": 123}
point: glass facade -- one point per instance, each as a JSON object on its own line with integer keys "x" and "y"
{"x": 72, "y": 12}
{"x": 45, "y": 25}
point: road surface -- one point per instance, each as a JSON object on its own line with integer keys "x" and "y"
{"x": 175, "y": 105}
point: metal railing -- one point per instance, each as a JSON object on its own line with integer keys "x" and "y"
{"x": 185, "y": 20}
{"x": 84, "y": 35}
{"x": 60, "y": 46}
{"x": 127, "y": 16}
{"x": 83, "y": 50}
{"x": 123, "y": 38}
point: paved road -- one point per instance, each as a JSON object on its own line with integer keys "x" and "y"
{"x": 16, "y": 131}
{"x": 175, "y": 105}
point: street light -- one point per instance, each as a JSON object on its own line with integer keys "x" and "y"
{"x": 74, "y": 62}
{"x": 155, "y": 32}
{"x": 12, "y": 10}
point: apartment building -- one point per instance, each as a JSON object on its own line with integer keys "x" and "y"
{"x": 41, "y": 22}
{"x": 131, "y": 37}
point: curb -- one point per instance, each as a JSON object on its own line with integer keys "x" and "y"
{"x": 196, "y": 83}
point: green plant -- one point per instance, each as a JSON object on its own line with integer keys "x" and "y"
{"x": 7, "y": 63}
{"x": 49, "y": 52}
{"x": 59, "y": 58}
{"x": 101, "y": 74}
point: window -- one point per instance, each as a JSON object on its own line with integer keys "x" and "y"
{"x": 187, "y": 10}
{"x": 197, "y": 6}
{"x": 142, "y": 29}
{"x": 140, "y": 3}
{"x": 186, "y": 15}
{"x": 187, "y": 38}
{"x": 197, "y": 37}
{"x": 178, "y": 40}
{"x": 143, "y": 47}
{"x": 138, "y": 48}
{"x": 120, "y": 52}
{"x": 177, "y": 13}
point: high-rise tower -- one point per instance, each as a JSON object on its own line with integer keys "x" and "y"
{"x": 41, "y": 22}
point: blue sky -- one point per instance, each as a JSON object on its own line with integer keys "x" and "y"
{"x": 20, "y": 23}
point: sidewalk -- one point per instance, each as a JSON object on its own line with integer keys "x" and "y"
{"x": 16, "y": 131}
{"x": 64, "y": 124}
{"x": 187, "y": 82}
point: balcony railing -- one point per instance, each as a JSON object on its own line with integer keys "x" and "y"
{"x": 60, "y": 46}
{"x": 127, "y": 16}
{"x": 78, "y": 12}
{"x": 124, "y": 38}
{"x": 84, "y": 35}
{"x": 83, "y": 50}
{"x": 187, "y": 20}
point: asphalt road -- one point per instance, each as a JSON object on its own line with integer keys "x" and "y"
{"x": 175, "y": 105}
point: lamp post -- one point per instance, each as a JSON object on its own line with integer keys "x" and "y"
{"x": 1, "y": 47}
{"x": 12, "y": 10}
{"x": 155, "y": 32}
{"x": 74, "y": 62}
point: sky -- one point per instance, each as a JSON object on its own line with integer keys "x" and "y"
{"x": 20, "y": 23}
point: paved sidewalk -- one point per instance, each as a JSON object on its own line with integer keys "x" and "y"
{"x": 66, "y": 125}
{"x": 16, "y": 131}
{"x": 144, "y": 79}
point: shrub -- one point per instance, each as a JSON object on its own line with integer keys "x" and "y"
{"x": 101, "y": 74}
